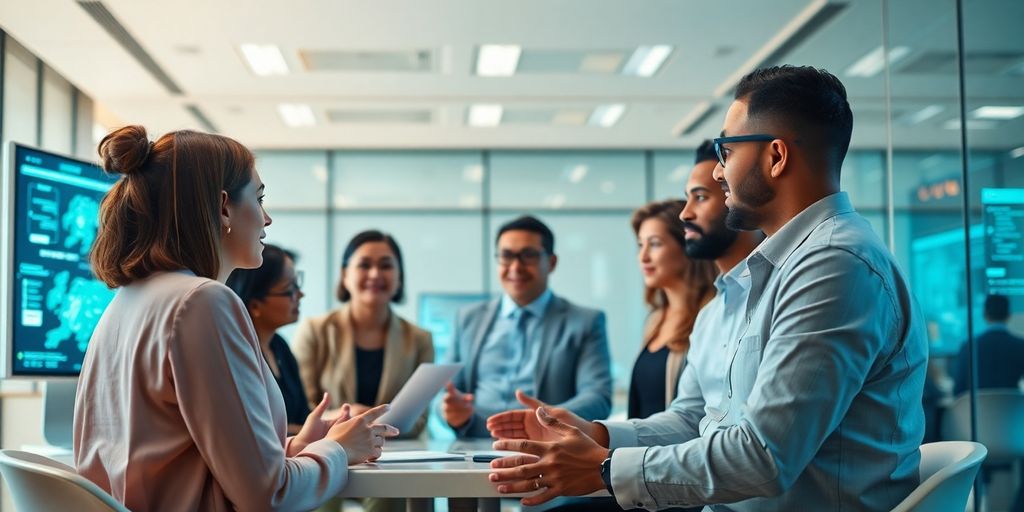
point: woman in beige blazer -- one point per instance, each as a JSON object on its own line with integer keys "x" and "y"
{"x": 676, "y": 287}
{"x": 363, "y": 353}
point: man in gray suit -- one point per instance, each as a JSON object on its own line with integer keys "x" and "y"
{"x": 528, "y": 339}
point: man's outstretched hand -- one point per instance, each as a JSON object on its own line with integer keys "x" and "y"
{"x": 568, "y": 465}
{"x": 523, "y": 423}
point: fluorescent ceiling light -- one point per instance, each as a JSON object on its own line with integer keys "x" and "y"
{"x": 576, "y": 174}
{"x": 555, "y": 201}
{"x": 264, "y": 59}
{"x": 972, "y": 124}
{"x": 606, "y": 116}
{"x": 485, "y": 115}
{"x": 296, "y": 114}
{"x": 873, "y": 63}
{"x": 999, "y": 112}
{"x": 1017, "y": 152}
{"x": 647, "y": 60}
{"x": 498, "y": 59}
{"x": 922, "y": 115}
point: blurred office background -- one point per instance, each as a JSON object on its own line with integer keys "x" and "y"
{"x": 439, "y": 121}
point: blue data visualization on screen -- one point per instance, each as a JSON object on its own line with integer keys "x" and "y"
{"x": 56, "y": 301}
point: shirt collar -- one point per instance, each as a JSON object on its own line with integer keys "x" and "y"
{"x": 737, "y": 276}
{"x": 536, "y": 308}
{"x": 777, "y": 248}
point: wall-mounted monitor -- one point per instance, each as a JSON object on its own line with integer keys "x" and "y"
{"x": 51, "y": 302}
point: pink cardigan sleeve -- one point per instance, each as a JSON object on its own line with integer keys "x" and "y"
{"x": 222, "y": 392}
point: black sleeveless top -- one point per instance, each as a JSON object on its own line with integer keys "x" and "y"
{"x": 369, "y": 369}
{"x": 289, "y": 381}
{"x": 647, "y": 388}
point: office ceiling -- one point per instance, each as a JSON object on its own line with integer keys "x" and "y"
{"x": 402, "y": 73}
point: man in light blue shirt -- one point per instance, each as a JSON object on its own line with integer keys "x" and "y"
{"x": 528, "y": 339}
{"x": 822, "y": 406}
{"x": 702, "y": 383}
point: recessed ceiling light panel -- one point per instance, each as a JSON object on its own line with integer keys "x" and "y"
{"x": 647, "y": 60}
{"x": 485, "y": 115}
{"x": 264, "y": 59}
{"x": 498, "y": 59}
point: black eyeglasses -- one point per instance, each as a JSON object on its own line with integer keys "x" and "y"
{"x": 757, "y": 137}
{"x": 293, "y": 289}
{"x": 525, "y": 256}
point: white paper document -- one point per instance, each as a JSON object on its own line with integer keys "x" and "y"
{"x": 418, "y": 456}
{"x": 415, "y": 395}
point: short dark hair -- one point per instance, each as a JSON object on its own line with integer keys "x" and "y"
{"x": 372, "y": 235}
{"x": 255, "y": 283}
{"x": 705, "y": 152}
{"x": 810, "y": 101}
{"x": 997, "y": 308}
{"x": 533, "y": 225}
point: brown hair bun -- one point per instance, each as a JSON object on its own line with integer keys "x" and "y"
{"x": 125, "y": 150}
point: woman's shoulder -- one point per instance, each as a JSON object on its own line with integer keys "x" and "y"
{"x": 200, "y": 308}
{"x": 183, "y": 288}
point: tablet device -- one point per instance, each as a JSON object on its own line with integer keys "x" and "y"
{"x": 416, "y": 394}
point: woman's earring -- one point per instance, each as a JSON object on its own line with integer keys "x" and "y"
{"x": 229, "y": 230}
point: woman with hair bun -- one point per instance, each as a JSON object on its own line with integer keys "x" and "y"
{"x": 176, "y": 406}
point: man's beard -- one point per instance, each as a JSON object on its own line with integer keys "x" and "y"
{"x": 713, "y": 243}
{"x": 750, "y": 193}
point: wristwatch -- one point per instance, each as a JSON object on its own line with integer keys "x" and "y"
{"x": 606, "y": 473}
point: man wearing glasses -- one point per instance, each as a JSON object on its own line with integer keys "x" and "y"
{"x": 528, "y": 339}
{"x": 823, "y": 386}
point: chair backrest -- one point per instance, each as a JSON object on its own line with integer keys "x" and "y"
{"x": 1000, "y": 423}
{"x": 947, "y": 474}
{"x": 41, "y": 484}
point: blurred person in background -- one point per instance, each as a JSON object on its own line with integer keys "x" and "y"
{"x": 271, "y": 294}
{"x": 363, "y": 352}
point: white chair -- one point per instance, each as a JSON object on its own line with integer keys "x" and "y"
{"x": 41, "y": 484}
{"x": 947, "y": 474}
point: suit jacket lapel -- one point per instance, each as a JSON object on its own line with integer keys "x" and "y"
{"x": 547, "y": 334}
{"x": 346, "y": 355}
{"x": 479, "y": 338}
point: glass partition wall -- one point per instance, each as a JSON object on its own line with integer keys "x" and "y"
{"x": 991, "y": 74}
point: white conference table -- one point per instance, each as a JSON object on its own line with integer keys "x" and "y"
{"x": 420, "y": 482}
{"x": 417, "y": 482}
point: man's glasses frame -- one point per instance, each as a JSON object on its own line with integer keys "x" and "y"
{"x": 756, "y": 137}
{"x": 526, "y": 256}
